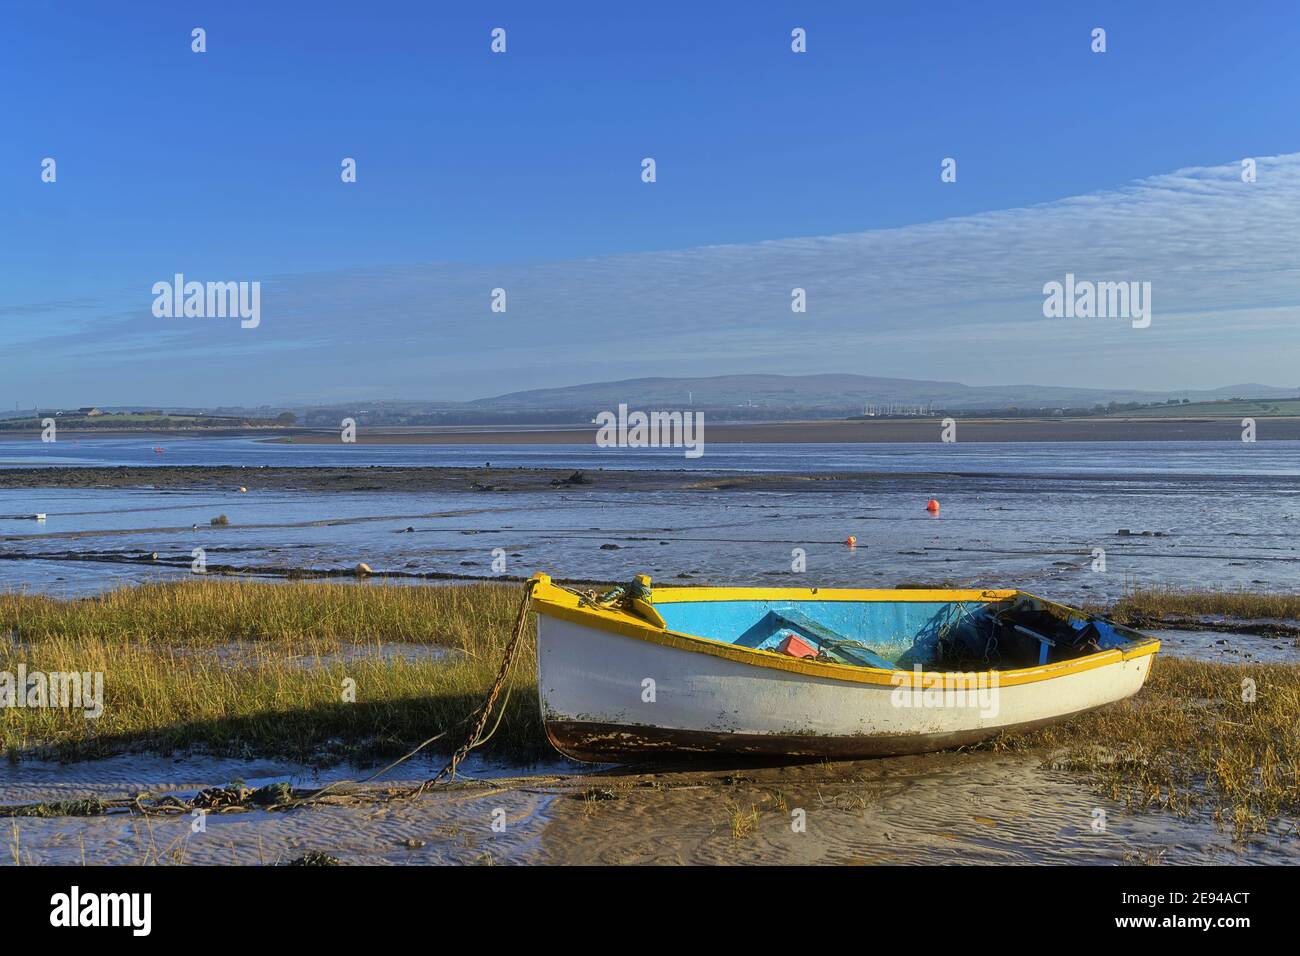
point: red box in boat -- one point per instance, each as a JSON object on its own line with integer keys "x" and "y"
{"x": 795, "y": 647}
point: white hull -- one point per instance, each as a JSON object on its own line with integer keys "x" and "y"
{"x": 597, "y": 704}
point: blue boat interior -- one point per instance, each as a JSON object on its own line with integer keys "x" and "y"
{"x": 1016, "y": 632}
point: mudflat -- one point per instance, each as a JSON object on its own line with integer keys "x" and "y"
{"x": 1047, "y": 429}
{"x": 886, "y": 430}
{"x": 379, "y": 478}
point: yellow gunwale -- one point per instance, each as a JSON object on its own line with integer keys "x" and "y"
{"x": 558, "y": 603}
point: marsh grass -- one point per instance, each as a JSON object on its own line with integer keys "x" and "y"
{"x": 1157, "y": 603}
{"x": 1191, "y": 740}
{"x": 166, "y": 689}
{"x": 1187, "y": 742}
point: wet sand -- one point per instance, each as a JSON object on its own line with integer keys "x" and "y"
{"x": 379, "y": 478}
{"x": 953, "y": 807}
{"x": 884, "y": 430}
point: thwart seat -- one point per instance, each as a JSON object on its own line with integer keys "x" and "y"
{"x": 768, "y": 631}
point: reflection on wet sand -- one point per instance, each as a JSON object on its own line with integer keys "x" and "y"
{"x": 953, "y": 807}
{"x": 936, "y": 808}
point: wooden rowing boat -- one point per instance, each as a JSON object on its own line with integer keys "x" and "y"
{"x": 816, "y": 672}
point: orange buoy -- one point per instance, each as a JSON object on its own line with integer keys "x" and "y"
{"x": 851, "y": 541}
{"x": 932, "y": 506}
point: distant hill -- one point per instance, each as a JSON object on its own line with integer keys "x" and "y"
{"x": 771, "y": 398}
{"x": 724, "y": 398}
{"x": 844, "y": 393}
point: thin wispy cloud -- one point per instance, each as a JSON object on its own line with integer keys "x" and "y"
{"x": 1220, "y": 255}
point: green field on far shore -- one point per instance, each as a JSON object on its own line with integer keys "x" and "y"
{"x": 135, "y": 421}
{"x": 1231, "y": 408}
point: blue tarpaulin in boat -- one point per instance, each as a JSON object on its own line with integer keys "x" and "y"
{"x": 890, "y": 629}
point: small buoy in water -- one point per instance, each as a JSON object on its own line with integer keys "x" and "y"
{"x": 932, "y": 506}
{"x": 39, "y": 516}
{"x": 363, "y": 568}
{"x": 243, "y": 490}
{"x": 851, "y": 541}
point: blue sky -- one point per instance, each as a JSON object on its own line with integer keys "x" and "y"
{"x": 522, "y": 170}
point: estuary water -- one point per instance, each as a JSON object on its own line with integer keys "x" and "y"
{"x": 1117, "y": 459}
{"x": 1076, "y": 521}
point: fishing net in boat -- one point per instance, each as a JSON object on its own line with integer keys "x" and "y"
{"x": 999, "y": 636}
{"x": 959, "y": 636}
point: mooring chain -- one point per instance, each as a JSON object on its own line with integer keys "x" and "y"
{"x": 476, "y": 737}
